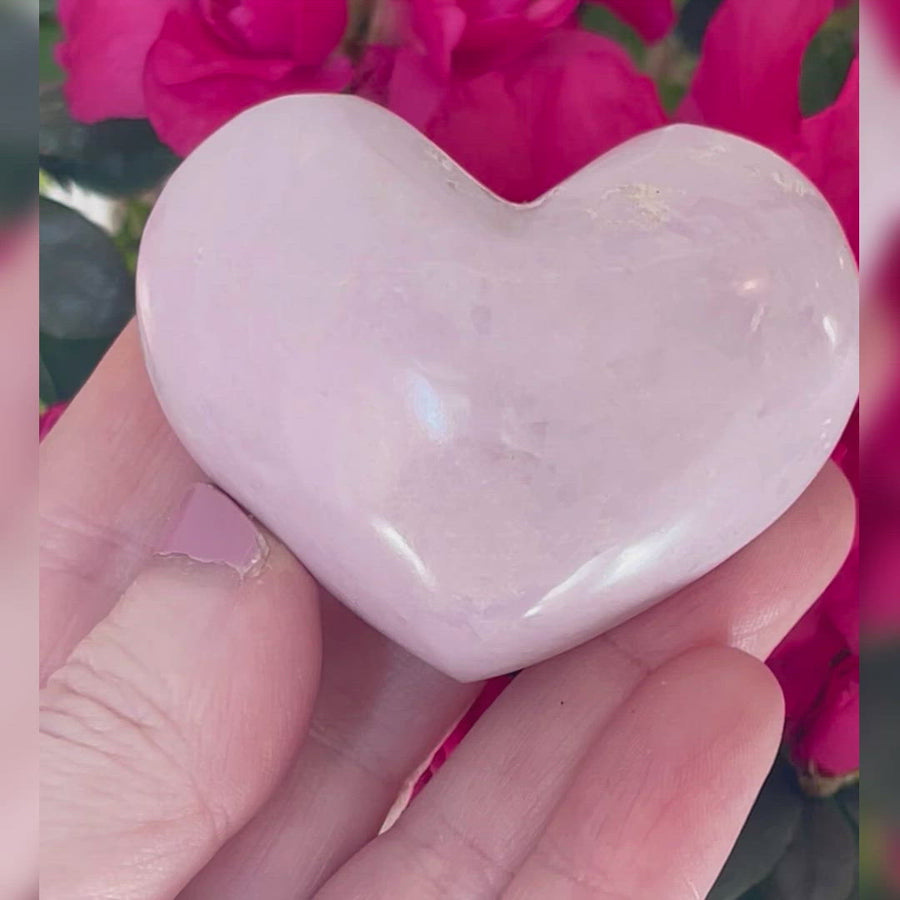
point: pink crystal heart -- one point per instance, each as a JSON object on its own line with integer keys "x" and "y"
{"x": 496, "y": 430}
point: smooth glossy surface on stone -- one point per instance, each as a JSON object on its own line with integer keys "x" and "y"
{"x": 495, "y": 430}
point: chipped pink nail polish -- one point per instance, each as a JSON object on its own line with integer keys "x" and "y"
{"x": 211, "y": 528}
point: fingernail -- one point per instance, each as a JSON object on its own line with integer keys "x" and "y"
{"x": 212, "y": 528}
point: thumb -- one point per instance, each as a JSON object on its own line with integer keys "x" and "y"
{"x": 172, "y": 721}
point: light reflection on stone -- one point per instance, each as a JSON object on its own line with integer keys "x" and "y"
{"x": 428, "y": 407}
{"x": 401, "y": 546}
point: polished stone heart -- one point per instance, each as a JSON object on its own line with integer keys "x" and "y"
{"x": 496, "y": 430}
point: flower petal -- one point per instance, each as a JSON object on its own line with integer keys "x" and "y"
{"x": 103, "y": 53}
{"x": 319, "y": 27}
{"x": 469, "y": 37}
{"x": 195, "y": 82}
{"x": 828, "y": 742}
{"x": 307, "y": 31}
{"x": 829, "y": 154}
{"x": 49, "y": 417}
{"x": 748, "y": 78}
{"x": 439, "y": 25}
{"x": 802, "y": 662}
{"x": 189, "y": 49}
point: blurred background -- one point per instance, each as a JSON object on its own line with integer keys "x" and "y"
{"x": 97, "y": 136}
{"x": 18, "y": 445}
{"x": 880, "y": 447}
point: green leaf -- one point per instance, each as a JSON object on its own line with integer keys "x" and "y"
{"x": 18, "y": 119}
{"x": 602, "y": 21}
{"x": 50, "y": 35}
{"x": 821, "y": 862}
{"x": 671, "y": 93}
{"x": 86, "y": 290}
{"x": 848, "y": 799}
{"x": 117, "y": 157}
{"x": 128, "y": 237}
{"x": 755, "y": 893}
{"x": 69, "y": 363}
{"x": 47, "y": 7}
{"x": 694, "y": 20}
{"x": 46, "y": 387}
{"x": 825, "y": 65}
{"x": 767, "y": 834}
{"x": 18, "y": 179}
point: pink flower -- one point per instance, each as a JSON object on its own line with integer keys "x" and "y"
{"x": 819, "y": 674}
{"x": 190, "y": 65}
{"x": 524, "y": 126}
{"x": 817, "y": 664}
{"x": 748, "y": 81}
{"x": 468, "y": 37}
{"x": 49, "y": 417}
{"x": 828, "y": 742}
{"x": 829, "y": 154}
{"x": 471, "y": 36}
{"x": 105, "y": 47}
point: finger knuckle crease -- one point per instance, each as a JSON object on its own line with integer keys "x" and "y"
{"x": 112, "y": 722}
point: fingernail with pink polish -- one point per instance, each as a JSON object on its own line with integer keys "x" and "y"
{"x": 212, "y": 528}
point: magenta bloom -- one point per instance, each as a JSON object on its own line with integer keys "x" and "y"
{"x": 472, "y": 36}
{"x": 817, "y": 666}
{"x": 561, "y": 95}
{"x": 49, "y": 417}
{"x": 104, "y": 51}
{"x": 191, "y": 65}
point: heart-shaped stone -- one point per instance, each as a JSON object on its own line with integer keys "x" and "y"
{"x": 496, "y": 430}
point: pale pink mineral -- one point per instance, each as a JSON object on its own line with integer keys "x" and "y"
{"x": 496, "y": 430}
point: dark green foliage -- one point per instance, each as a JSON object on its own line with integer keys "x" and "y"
{"x": 825, "y": 65}
{"x": 118, "y": 157}
{"x": 794, "y": 847}
{"x": 766, "y": 836}
{"x": 87, "y": 291}
{"x": 86, "y": 298}
{"x": 18, "y": 117}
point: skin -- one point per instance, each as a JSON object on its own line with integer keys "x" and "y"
{"x": 206, "y": 736}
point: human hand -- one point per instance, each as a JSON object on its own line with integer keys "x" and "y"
{"x": 210, "y": 734}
